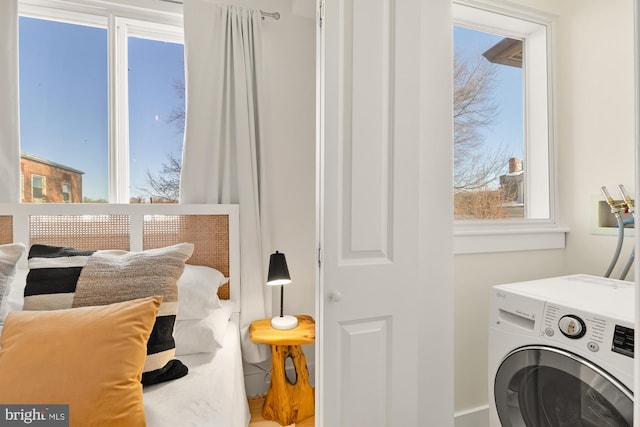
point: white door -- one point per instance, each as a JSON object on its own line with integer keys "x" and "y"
{"x": 384, "y": 311}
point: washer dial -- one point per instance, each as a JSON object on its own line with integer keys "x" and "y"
{"x": 572, "y": 326}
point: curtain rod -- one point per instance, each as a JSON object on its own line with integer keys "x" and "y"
{"x": 274, "y": 15}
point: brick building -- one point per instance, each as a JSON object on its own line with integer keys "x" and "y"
{"x": 44, "y": 181}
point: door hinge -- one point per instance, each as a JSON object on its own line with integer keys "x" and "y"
{"x": 320, "y": 257}
{"x": 321, "y": 14}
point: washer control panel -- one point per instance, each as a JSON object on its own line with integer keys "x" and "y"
{"x": 586, "y": 331}
{"x": 623, "y": 340}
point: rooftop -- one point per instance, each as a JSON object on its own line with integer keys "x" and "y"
{"x": 49, "y": 162}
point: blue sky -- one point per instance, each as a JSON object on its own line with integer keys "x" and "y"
{"x": 507, "y": 129}
{"x": 64, "y": 100}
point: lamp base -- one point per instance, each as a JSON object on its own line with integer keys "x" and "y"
{"x": 284, "y": 322}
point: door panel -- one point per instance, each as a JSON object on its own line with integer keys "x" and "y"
{"x": 364, "y": 128}
{"x": 357, "y": 366}
{"x": 377, "y": 356}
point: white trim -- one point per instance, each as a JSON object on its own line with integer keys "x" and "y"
{"x": 636, "y": 269}
{"x": 69, "y": 16}
{"x": 146, "y": 10}
{"x": 320, "y": 220}
{"x": 539, "y": 125}
{"x": 43, "y": 188}
{"x": 153, "y": 30}
{"x": 119, "y": 117}
{"x": 507, "y": 9}
{"x": 507, "y": 239}
{"x": 475, "y": 417}
{"x": 69, "y": 193}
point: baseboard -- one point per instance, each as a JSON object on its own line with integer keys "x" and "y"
{"x": 257, "y": 383}
{"x": 475, "y": 417}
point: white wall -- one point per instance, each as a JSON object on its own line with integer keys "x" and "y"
{"x": 289, "y": 77}
{"x": 289, "y": 130}
{"x": 595, "y": 147}
{"x": 596, "y": 113}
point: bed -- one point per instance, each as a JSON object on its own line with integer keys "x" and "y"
{"x": 206, "y": 331}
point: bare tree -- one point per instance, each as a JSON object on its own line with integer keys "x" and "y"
{"x": 475, "y": 108}
{"x": 164, "y": 186}
{"x": 178, "y": 115}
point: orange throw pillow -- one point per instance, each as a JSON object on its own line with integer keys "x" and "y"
{"x": 90, "y": 358}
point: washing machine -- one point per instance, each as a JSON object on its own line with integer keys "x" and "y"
{"x": 561, "y": 353}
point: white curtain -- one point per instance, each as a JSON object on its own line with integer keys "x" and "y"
{"x": 9, "y": 107}
{"x": 221, "y": 160}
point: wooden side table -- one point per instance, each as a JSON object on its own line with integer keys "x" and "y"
{"x": 287, "y": 402}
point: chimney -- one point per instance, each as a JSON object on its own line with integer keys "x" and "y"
{"x": 515, "y": 165}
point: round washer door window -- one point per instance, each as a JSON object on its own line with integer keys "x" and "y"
{"x": 538, "y": 386}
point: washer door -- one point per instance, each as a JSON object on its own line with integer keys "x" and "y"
{"x": 538, "y": 386}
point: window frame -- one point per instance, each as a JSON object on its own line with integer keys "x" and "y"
{"x": 43, "y": 188}
{"x": 67, "y": 194}
{"x": 481, "y": 236}
{"x": 155, "y": 20}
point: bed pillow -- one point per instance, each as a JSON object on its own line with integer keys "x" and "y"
{"x": 15, "y": 297}
{"x": 9, "y": 255}
{"x": 64, "y": 277}
{"x": 198, "y": 291}
{"x": 202, "y": 335}
{"x": 90, "y": 358}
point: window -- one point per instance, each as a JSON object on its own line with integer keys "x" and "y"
{"x": 157, "y": 110}
{"x": 64, "y": 98}
{"x": 38, "y": 188}
{"x": 503, "y": 128}
{"x": 102, "y": 94}
{"x": 488, "y": 126}
{"x": 66, "y": 193}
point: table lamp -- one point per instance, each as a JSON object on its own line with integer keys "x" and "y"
{"x": 279, "y": 275}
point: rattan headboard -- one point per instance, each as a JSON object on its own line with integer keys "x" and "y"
{"x": 213, "y": 229}
{"x": 6, "y": 229}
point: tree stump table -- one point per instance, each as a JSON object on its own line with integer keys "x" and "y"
{"x": 287, "y": 402}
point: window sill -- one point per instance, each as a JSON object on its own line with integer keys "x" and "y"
{"x": 475, "y": 239}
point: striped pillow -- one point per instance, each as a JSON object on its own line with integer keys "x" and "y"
{"x": 63, "y": 277}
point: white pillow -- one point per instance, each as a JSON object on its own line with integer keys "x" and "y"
{"x": 202, "y": 335}
{"x": 9, "y": 255}
{"x": 198, "y": 292}
{"x": 15, "y": 299}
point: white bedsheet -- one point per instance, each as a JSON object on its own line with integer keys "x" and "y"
{"x": 211, "y": 395}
